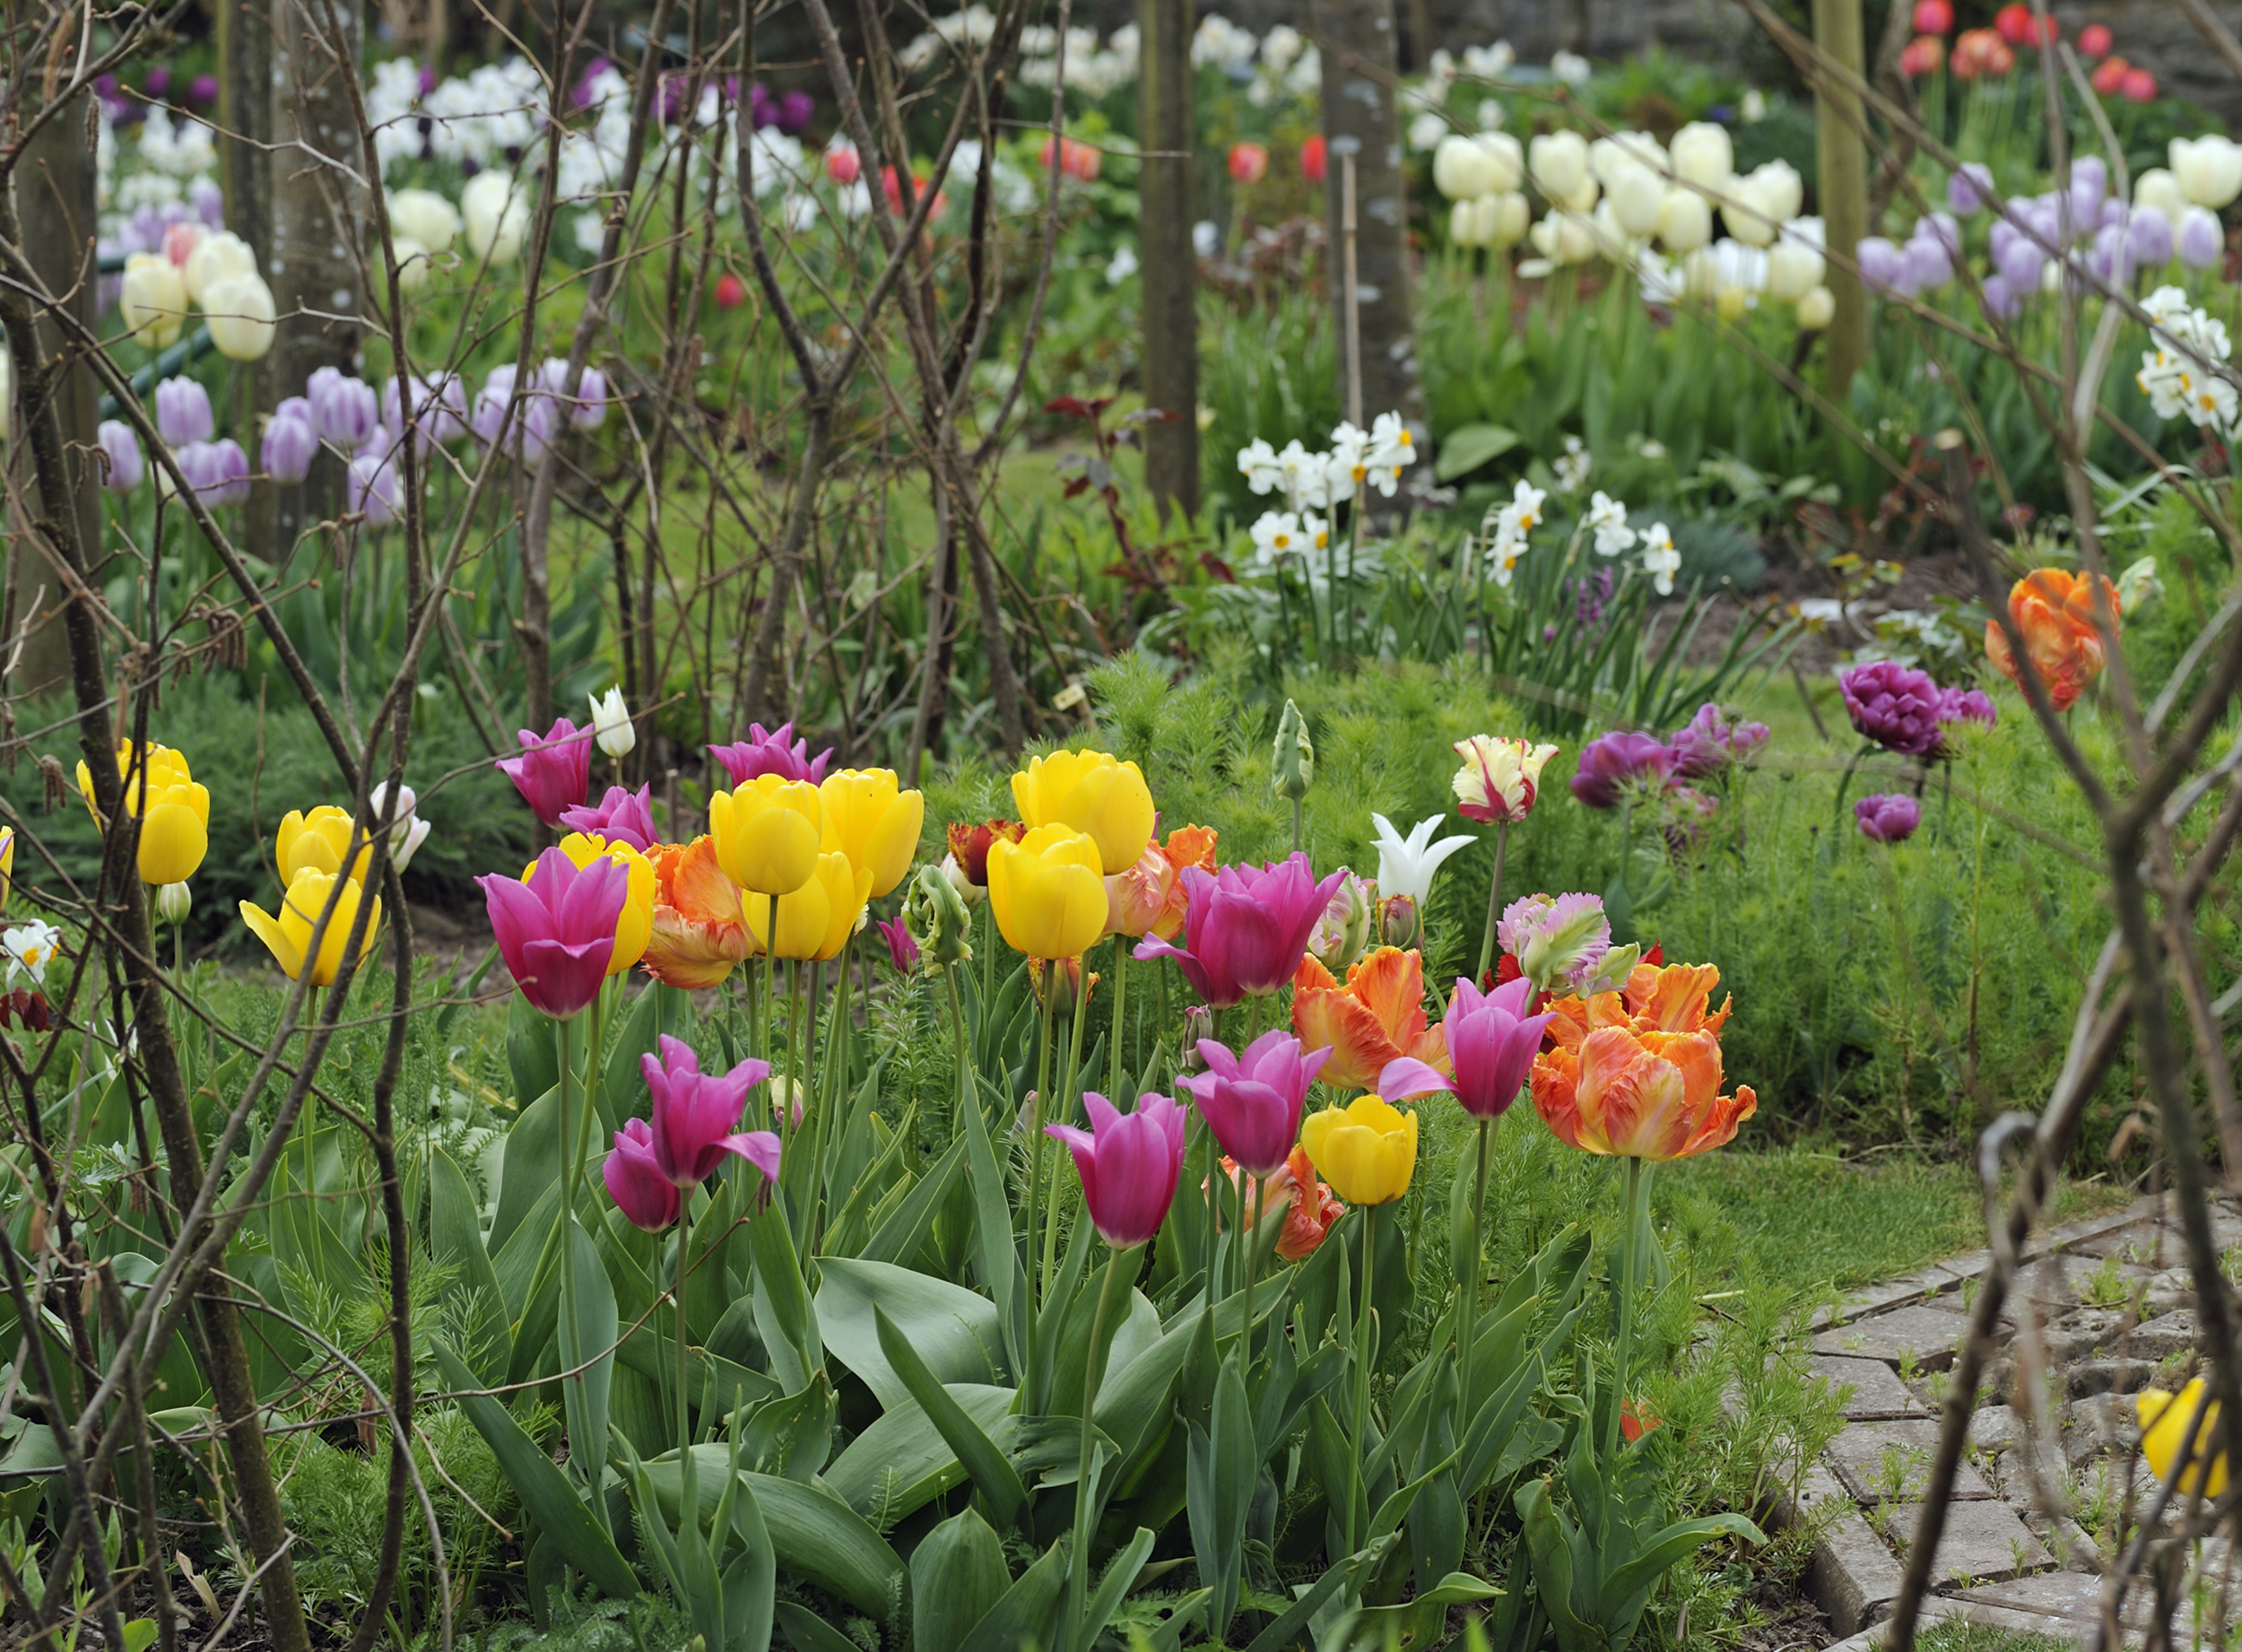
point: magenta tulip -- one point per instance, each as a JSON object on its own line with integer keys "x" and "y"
{"x": 1492, "y": 1042}
{"x": 771, "y": 751}
{"x": 1129, "y": 1163}
{"x": 695, "y": 1113}
{"x": 554, "y": 772}
{"x": 636, "y": 1183}
{"x": 619, "y": 817}
{"x": 1244, "y": 928}
{"x": 557, "y": 930}
{"x": 1252, "y": 1102}
{"x": 903, "y": 948}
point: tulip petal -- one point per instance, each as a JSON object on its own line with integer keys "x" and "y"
{"x": 1404, "y": 1078}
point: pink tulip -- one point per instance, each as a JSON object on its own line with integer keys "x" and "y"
{"x": 557, "y": 930}
{"x": 1129, "y": 1163}
{"x": 695, "y": 1113}
{"x": 1492, "y": 1042}
{"x": 770, "y": 751}
{"x": 1244, "y": 928}
{"x": 553, "y": 772}
{"x": 619, "y": 817}
{"x": 636, "y": 1183}
{"x": 1252, "y": 1102}
{"x": 903, "y": 948}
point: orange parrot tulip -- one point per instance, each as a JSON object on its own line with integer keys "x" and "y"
{"x": 1377, "y": 1017}
{"x": 1636, "y": 1073}
{"x": 1148, "y": 897}
{"x": 699, "y": 930}
{"x": 2055, "y": 609}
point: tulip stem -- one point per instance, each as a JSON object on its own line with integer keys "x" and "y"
{"x": 965, "y": 1096}
{"x": 1246, "y": 1314}
{"x": 1035, "y": 1213}
{"x": 1066, "y": 1112}
{"x": 1487, "y": 941}
{"x": 1629, "y": 1221}
{"x": 684, "y": 1416}
{"x": 1365, "y": 1354}
{"x": 1078, "y": 1563}
{"x": 1467, "y": 1304}
{"x": 571, "y": 1325}
{"x": 1120, "y": 1009}
{"x": 1296, "y": 825}
{"x": 770, "y": 1005}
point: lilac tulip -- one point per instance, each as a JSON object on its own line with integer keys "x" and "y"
{"x": 1893, "y": 705}
{"x": 2000, "y": 301}
{"x": 695, "y": 1115}
{"x": 619, "y": 817}
{"x": 636, "y": 1184}
{"x": 436, "y": 414}
{"x": 217, "y": 472}
{"x": 183, "y": 413}
{"x": 373, "y": 490}
{"x": 1883, "y": 265}
{"x": 531, "y": 427}
{"x": 1128, "y": 1162}
{"x": 290, "y": 445}
{"x": 1970, "y": 190}
{"x": 1244, "y": 928}
{"x": 344, "y": 411}
{"x": 2090, "y": 183}
{"x": 1709, "y": 742}
{"x": 1615, "y": 763}
{"x": 2020, "y": 263}
{"x": 556, "y": 930}
{"x": 587, "y": 409}
{"x": 1492, "y": 1042}
{"x": 1929, "y": 266}
{"x": 207, "y": 201}
{"x": 127, "y": 469}
{"x": 1252, "y": 1102}
{"x": 1958, "y": 706}
{"x": 1944, "y": 229}
{"x": 1890, "y": 817}
{"x": 771, "y": 751}
{"x": 2148, "y": 237}
{"x": 2201, "y": 239}
{"x": 553, "y": 772}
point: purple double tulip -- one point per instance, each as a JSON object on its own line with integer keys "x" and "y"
{"x": 1244, "y": 928}
{"x": 1252, "y": 1102}
{"x": 621, "y": 816}
{"x": 554, "y": 771}
{"x": 1896, "y": 706}
{"x": 1128, "y": 1162}
{"x": 771, "y": 751}
{"x": 557, "y": 929}
{"x": 1611, "y": 764}
{"x": 1890, "y": 817}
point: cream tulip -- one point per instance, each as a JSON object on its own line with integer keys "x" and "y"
{"x": 2158, "y": 187}
{"x": 1564, "y": 238}
{"x": 1703, "y": 155}
{"x": 1512, "y": 218}
{"x": 240, "y": 313}
{"x": 1462, "y": 169}
{"x": 424, "y": 216}
{"x": 152, "y": 301}
{"x": 215, "y": 258}
{"x": 2209, "y": 169}
{"x": 1508, "y": 156}
{"x": 1635, "y": 194}
{"x": 1559, "y": 163}
{"x": 1794, "y": 269}
{"x": 1816, "y": 309}
{"x": 1464, "y": 222}
{"x": 1685, "y": 221}
{"x": 496, "y": 214}
{"x": 413, "y": 265}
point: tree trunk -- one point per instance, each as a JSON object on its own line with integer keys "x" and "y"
{"x": 245, "y": 170}
{"x": 54, "y": 198}
{"x": 1169, "y": 268}
{"x": 1842, "y": 186}
{"x": 315, "y": 210}
{"x": 1360, "y": 119}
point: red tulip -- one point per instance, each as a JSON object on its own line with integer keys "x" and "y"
{"x": 1128, "y": 1162}
{"x": 2139, "y": 86}
{"x": 2109, "y": 76}
{"x": 556, "y": 928}
{"x": 1313, "y": 159}
{"x": 731, "y": 292}
{"x": 1249, "y": 162}
{"x": 553, "y": 773}
{"x": 1934, "y": 16}
{"x": 1922, "y": 56}
{"x": 2094, "y": 41}
{"x": 841, "y": 164}
{"x": 2018, "y": 26}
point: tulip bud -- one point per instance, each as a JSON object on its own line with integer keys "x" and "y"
{"x": 152, "y": 301}
{"x": 936, "y": 914}
{"x": 126, "y": 467}
{"x": 1294, "y": 757}
{"x": 2138, "y": 588}
{"x": 290, "y": 445}
{"x": 1399, "y": 922}
{"x": 174, "y": 901}
{"x": 611, "y": 722}
{"x": 1198, "y": 1022}
{"x": 1344, "y": 929}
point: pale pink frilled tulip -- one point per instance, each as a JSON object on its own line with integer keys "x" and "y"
{"x": 1500, "y": 778}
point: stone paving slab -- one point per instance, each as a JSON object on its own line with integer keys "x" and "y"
{"x": 1877, "y": 1391}
{"x": 1983, "y": 1541}
{"x": 1927, "y": 1335}
{"x": 2063, "y": 1594}
{"x": 1881, "y": 1461}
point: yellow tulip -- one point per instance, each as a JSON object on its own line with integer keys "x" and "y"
{"x": 1367, "y": 1151}
{"x": 1047, "y": 892}
{"x": 871, "y": 822}
{"x": 7, "y": 863}
{"x": 2164, "y": 1420}
{"x": 1093, "y": 792}
{"x": 289, "y": 935}
{"x": 635, "y": 928}
{"x": 174, "y": 811}
{"x": 768, "y": 833}
{"x": 815, "y": 920}
{"x": 318, "y": 842}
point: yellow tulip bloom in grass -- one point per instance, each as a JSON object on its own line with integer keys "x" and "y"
{"x": 289, "y": 934}
{"x": 174, "y": 811}
{"x": 874, "y": 823}
{"x": 767, "y": 834}
{"x": 815, "y": 920}
{"x": 318, "y": 842}
{"x": 1093, "y": 792}
{"x": 2164, "y": 1420}
{"x": 1048, "y": 892}
{"x": 1367, "y": 1149}
{"x": 634, "y": 928}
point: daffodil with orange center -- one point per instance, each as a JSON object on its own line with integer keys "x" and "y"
{"x": 1636, "y": 1073}
{"x": 700, "y": 930}
{"x": 2055, "y": 611}
{"x": 1377, "y": 1018}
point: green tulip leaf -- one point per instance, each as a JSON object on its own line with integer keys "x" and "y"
{"x": 994, "y": 1476}
{"x": 953, "y": 1331}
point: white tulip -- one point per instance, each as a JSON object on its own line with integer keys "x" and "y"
{"x": 611, "y": 722}
{"x": 1685, "y": 221}
{"x": 1794, "y": 269}
{"x": 152, "y": 301}
{"x": 497, "y": 214}
{"x": 425, "y": 217}
{"x": 214, "y": 258}
{"x": 1461, "y": 169}
{"x": 2158, "y": 188}
{"x": 2209, "y": 169}
{"x": 1512, "y": 218}
{"x": 1785, "y": 191}
{"x": 1703, "y": 155}
{"x": 413, "y": 264}
{"x": 1463, "y": 223}
{"x": 1508, "y": 156}
{"x": 1582, "y": 201}
{"x": 1700, "y": 273}
{"x": 174, "y": 901}
{"x": 1612, "y": 239}
{"x": 1564, "y": 238}
{"x": 240, "y": 313}
{"x": 1559, "y": 161}
{"x": 1816, "y": 309}
{"x": 1635, "y": 194}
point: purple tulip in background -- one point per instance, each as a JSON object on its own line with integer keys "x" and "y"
{"x": 695, "y": 1114}
{"x": 438, "y": 412}
{"x": 2090, "y": 183}
{"x": 2201, "y": 239}
{"x": 2021, "y": 262}
{"x": 771, "y": 751}
{"x": 2000, "y": 301}
{"x": 619, "y": 817}
{"x": 1941, "y": 228}
{"x": 183, "y": 413}
{"x": 1893, "y": 705}
{"x": 373, "y": 489}
{"x": 290, "y": 445}
{"x": 218, "y": 472}
{"x": 1882, "y": 263}
{"x": 127, "y": 468}
{"x": 552, "y": 773}
{"x": 202, "y": 92}
{"x": 1888, "y": 817}
{"x": 1970, "y": 190}
{"x": 1252, "y": 1102}
{"x": 1929, "y": 265}
{"x": 1958, "y": 706}
{"x": 533, "y": 423}
{"x": 1709, "y": 742}
{"x": 1492, "y": 1042}
{"x": 1128, "y": 1162}
{"x": 1246, "y": 928}
{"x": 795, "y": 111}
{"x": 556, "y": 931}
{"x": 587, "y": 411}
{"x": 208, "y": 202}
{"x": 344, "y": 411}
{"x": 1611, "y": 764}
{"x": 2148, "y": 237}
{"x": 902, "y": 947}
{"x": 635, "y": 1183}
{"x": 583, "y": 92}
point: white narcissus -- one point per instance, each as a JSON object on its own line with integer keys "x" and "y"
{"x": 611, "y": 722}
{"x": 1500, "y": 779}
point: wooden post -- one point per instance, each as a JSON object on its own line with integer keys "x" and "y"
{"x": 1843, "y": 187}
{"x": 1168, "y": 268}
